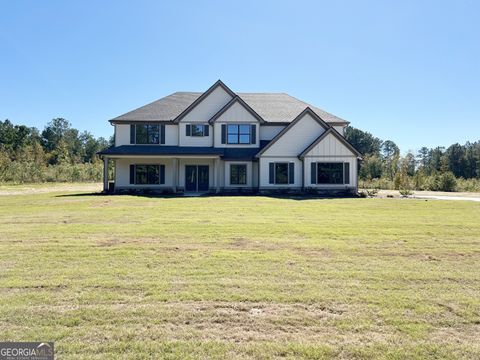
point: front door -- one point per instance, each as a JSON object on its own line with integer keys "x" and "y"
{"x": 196, "y": 178}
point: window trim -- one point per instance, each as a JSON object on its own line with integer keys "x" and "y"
{"x": 239, "y": 134}
{"x": 205, "y": 132}
{"x": 317, "y": 163}
{"x": 290, "y": 170}
{"x": 160, "y": 137}
{"x": 160, "y": 177}
{"x": 246, "y": 174}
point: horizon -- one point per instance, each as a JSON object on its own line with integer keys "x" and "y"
{"x": 65, "y": 60}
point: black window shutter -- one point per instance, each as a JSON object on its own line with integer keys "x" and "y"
{"x": 346, "y": 173}
{"x": 205, "y": 130}
{"x": 313, "y": 172}
{"x": 253, "y": 134}
{"x": 132, "y": 134}
{"x": 224, "y": 133}
{"x": 132, "y": 174}
{"x": 291, "y": 173}
{"x": 162, "y": 134}
{"x": 162, "y": 174}
{"x": 271, "y": 178}
{"x": 188, "y": 129}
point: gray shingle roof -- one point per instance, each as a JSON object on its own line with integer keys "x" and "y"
{"x": 272, "y": 107}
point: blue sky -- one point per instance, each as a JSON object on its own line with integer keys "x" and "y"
{"x": 404, "y": 70}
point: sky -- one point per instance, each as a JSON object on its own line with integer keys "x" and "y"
{"x": 405, "y": 70}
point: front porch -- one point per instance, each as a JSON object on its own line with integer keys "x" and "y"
{"x": 180, "y": 174}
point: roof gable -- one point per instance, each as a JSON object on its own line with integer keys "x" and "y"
{"x": 305, "y": 114}
{"x": 331, "y": 139}
{"x": 218, "y": 87}
{"x": 230, "y": 106}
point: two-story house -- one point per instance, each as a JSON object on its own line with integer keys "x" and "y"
{"x": 225, "y": 141}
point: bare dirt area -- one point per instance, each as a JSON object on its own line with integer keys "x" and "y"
{"x": 434, "y": 195}
{"x": 48, "y": 188}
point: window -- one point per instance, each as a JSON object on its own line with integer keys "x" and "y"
{"x": 197, "y": 130}
{"x": 147, "y": 134}
{"x": 238, "y": 134}
{"x": 147, "y": 174}
{"x": 238, "y": 174}
{"x": 330, "y": 173}
{"x": 281, "y": 173}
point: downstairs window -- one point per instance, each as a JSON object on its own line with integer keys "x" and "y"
{"x": 330, "y": 173}
{"x": 147, "y": 174}
{"x": 238, "y": 174}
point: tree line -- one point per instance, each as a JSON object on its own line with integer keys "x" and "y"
{"x": 58, "y": 153}
{"x": 456, "y": 168}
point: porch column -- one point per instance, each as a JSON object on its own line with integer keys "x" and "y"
{"x": 105, "y": 174}
{"x": 175, "y": 174}
{"x": 217, "y": 171}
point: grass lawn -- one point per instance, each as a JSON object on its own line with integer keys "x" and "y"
{"x": 129, "y": 277}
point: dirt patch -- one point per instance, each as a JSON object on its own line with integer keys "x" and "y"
{"x": 49, "y": 188}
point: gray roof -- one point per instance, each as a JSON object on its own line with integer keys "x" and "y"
{"x": 272, "y": 107}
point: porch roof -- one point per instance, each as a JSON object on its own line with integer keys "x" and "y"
{"x": 152, "y": 150}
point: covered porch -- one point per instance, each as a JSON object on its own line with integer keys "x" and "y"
{"x": 177, "y": 174}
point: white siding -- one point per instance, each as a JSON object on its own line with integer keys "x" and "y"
{"x": 330, "y": 146}
{"x": 353, "y": 171}
{"x": 122, "y": 134}
{"x": 195, "y": 140}
{"x": 269, "y": 132}
{"x": 237, "y": 114}
{"x": 171, "y": 135}
{"x": 297, "y": 138}
{"x": 227, "y": 165}
{"x": 122, "y": 172}
{"x": 264, "y": 172}
{"x": 204, "y": 111}
{"x": 340, "y": 129}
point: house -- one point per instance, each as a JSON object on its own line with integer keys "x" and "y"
{"x": 221, "y": 141}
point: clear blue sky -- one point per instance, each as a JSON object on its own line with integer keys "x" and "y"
{"x": 404, "y": 70}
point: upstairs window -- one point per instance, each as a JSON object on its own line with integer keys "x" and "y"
{"x": 196, "y": 130}
{"x": 147, "y": 134}
{"x": 238, "y": 134}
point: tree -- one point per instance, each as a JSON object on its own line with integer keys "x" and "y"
{"x": 371, "y": 167}
{"x": 363, "y": 141}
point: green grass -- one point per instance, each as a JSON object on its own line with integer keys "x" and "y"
{"x": 125, "y": 277}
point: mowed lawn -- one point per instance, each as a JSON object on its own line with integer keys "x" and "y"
{"x": 132, "y": 277}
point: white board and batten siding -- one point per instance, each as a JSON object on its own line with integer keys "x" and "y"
{"x": 200, "y": 114}
{"x": 330, "y": 149}
{"x": 235, "y": 114}
{"x": 297, "y": 138}
{"x": 287, "y": 148}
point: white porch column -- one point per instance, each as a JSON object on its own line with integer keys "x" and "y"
{"x": 105, "y": 174}
{"x": 175, "y": 174}
{"x": 216, "y": 176}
